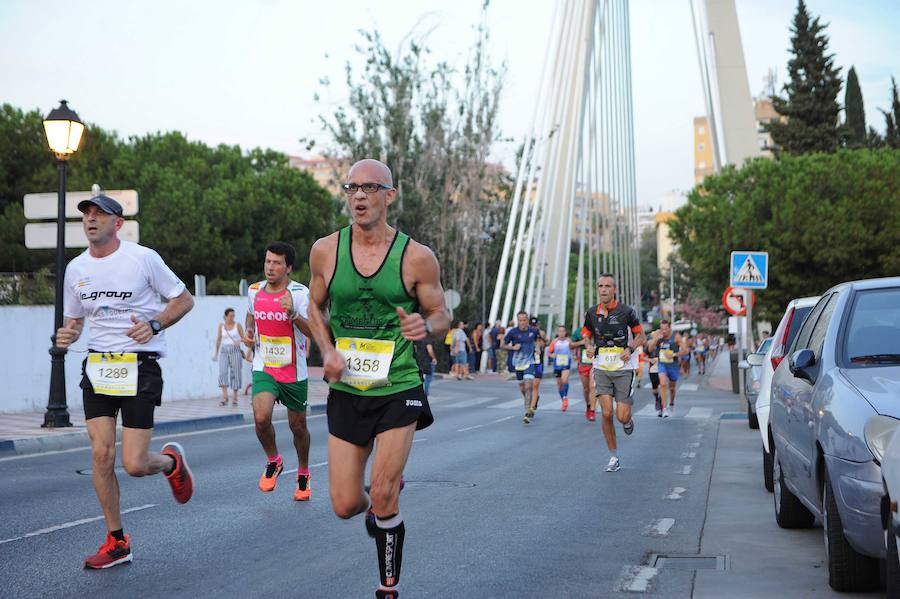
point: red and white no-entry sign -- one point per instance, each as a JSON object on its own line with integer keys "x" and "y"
{"x": 733, "y": 300}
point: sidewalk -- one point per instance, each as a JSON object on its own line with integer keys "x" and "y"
{"x": 21, "y": 433}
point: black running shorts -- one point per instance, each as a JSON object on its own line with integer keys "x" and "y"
{"x": 654, "y": 379}
{"x": 358, "y": 419}
{"x": 137, "y": 411}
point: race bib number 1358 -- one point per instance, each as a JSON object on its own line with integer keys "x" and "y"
{"x": 367, "y": 362}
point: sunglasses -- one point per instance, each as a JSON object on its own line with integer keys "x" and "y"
{"x": 351, "y": 188}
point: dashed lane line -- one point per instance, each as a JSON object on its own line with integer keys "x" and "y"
{"x": 659, "y": 528}
{"x": 636, "y": 579}
{"x": 71, "y": 524}
{"x": 470, "y": 428}
{"x": 676, "y": 493}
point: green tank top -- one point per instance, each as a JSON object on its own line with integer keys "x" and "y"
{"x": 365, "y": 308}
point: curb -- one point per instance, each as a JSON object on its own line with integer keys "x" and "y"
{"x": 80, "y": 439}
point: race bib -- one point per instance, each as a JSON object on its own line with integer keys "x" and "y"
{"x": 276, "y": 351}
{"x": 562, "y": 360}
{"x": 367, "y": 362}
{"x": 700, "y": 347}
{"x": 521, "y": 361}
{"x": 113, "y": 374}
{"x": 536, "y": 358}
{"x": 666, "y": 356}
{"x": 608, "y": 358}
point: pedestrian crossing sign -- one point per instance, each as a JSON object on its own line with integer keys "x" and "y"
{"x": 749, "y": 270}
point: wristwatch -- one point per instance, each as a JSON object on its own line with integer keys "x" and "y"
{"x": 155, "y": 326}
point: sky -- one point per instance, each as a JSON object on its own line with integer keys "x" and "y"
{"x": 246, "y": 72}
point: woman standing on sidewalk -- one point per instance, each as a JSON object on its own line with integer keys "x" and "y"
{"x": 229, "y": 356}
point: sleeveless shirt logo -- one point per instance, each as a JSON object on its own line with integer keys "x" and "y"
{"x": 278, "y": 316}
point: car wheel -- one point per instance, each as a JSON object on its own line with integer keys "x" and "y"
{"x": 767, "y": 471}
{"x": 789, "y": 511}
{"x": 848, "y": 570}
{"x": 752, "y": 419}
{"x": 892, "y": 566}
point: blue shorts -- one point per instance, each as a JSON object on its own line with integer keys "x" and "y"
{"x": 538, "y": 371}
{"x": 670, "y": 369}
{"x": 528, "y": 373}
{"x": 462, "y": 358}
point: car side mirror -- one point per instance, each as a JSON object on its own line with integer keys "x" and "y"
{"x": 800, "y": 363}
{"x": 756, "y": 359}
{"x": 743, "y": 364}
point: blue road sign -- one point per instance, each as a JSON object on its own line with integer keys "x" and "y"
{"x": 749, "y": 270}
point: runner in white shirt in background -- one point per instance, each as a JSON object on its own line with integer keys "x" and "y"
{"x": 116, "y": 286}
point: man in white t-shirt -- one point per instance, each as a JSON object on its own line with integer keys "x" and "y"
{"x": 117, "y": 286}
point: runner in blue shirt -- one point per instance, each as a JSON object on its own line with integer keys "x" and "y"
{"x": 520, "y": 342}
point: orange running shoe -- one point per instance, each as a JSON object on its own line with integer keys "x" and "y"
{"x": 111, "y": 553}
{"x": 565, "y": 404}
{"x": 270, "y": 476}
{"x": 180, "y": 479}
{"x": 302, "y": 492}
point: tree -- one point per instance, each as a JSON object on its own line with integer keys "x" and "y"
{"x": 810, "y": 109}
{"x": 434, "y": 126}
{"x": 892, "y": 118}
{"x": 823, "y": 218}
{"x": 854, "y": 111}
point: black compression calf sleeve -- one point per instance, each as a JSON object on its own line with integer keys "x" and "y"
{"x": 389, "y": 542}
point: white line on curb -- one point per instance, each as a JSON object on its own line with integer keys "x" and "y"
{"x": 65, "y": 525}
{"x": 659, "y": 528}
{"x": 636, "y": 578}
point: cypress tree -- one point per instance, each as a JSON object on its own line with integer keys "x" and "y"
{"x": 892, "y": 118}
{"x": 810, "y": 110}
{"x": 854, "y": 111}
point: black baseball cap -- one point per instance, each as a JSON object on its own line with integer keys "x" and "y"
{"x": 534, "y": 320}
{"x": 104, "y": 203}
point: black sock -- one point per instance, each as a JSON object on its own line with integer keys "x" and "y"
{"x": 389, "y": 542}
{"x": 118, "y": 535}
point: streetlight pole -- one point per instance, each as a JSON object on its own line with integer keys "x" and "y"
{"x": 64, "y": 130}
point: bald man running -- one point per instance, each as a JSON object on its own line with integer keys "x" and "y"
{"x": 371, "y": 279}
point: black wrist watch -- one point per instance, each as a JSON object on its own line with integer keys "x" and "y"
{"x": 155, "y": 326}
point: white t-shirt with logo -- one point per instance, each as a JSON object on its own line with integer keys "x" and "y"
{"x": 107, "y": 291}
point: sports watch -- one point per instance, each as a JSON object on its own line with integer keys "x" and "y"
{"x": 155, "y": 326}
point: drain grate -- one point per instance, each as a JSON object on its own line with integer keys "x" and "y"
{"x": 687, "y": 561}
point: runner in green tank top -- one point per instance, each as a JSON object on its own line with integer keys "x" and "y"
{"x": 369, "y": 279}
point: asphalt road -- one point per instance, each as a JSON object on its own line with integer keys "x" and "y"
{"x": 493, "y": 508}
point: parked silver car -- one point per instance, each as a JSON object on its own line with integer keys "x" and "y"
{"x": 844, "y": 367}
{"x": 753, "y": 379}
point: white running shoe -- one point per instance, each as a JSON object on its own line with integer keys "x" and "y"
{"x": 613, "y": 465}
{"x": 665, "y": 413}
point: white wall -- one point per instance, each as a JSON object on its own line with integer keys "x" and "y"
{"x": 188, "y": 369}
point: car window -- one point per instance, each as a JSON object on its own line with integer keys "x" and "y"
{"x": 764, "y": 346}
{"x": 800, "y": 315}
{"x": 809, "y": 322}
{"x": 817, "y": 339}
{"x": 873, "y": 328}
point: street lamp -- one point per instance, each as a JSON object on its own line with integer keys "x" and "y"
{"x": 63, "y": 129}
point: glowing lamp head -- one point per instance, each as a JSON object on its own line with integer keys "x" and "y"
{"x": 63, "y": 129}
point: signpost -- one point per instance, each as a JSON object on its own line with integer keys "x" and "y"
{"x": 734, "y": 301}
{"x": 41, "y": 236}
{"x": 452, "y": 299}
{"x": 747, "y": 270}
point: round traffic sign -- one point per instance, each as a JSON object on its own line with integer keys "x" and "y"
{"x": 733, "y": 300}
{"x": 452, "y": 298}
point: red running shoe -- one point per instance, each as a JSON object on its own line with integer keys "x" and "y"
{"x": 180, "y": 479}
{"x": 111, "y": 553}
{"x": 592, "y": 415}
{"x": 565, "y": 404}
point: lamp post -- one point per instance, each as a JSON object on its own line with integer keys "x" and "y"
{"x": 63, "y": 129}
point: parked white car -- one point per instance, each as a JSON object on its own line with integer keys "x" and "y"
{"x": 796, "y": 312}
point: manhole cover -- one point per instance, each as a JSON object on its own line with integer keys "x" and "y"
{"x": 452, "y": 484}
{"x": 682, "y": 561}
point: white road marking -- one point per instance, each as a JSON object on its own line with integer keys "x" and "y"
{"x": 699, "y": 413}
{"x": 65, "y": 525}
{"x": 687, "y": 387}
{"x": 693, "y": 445}
{"x": 648, "y": 410}
{"x": 419, "y": 440}
{"x": 636, "y": 578}
{"x": 171, "y": 436}
{"x": 676, "y": 493}
{"x": 506, "y": 405}
{"x": 688, "y": 455}
{"x": 471, "y": 402}
{"x": 462, "y": 430}
{"x": 292, "y": 470}
{"x": 685, "y": 470}
{"x": 659, "y": 528}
